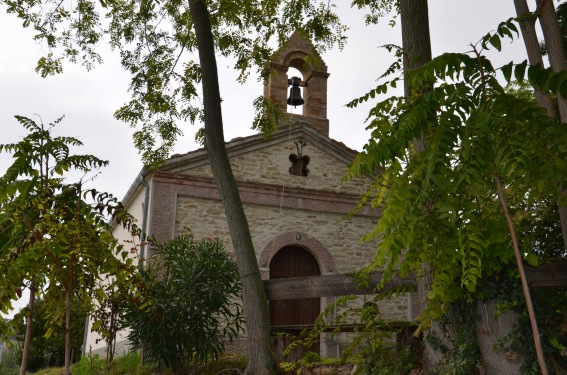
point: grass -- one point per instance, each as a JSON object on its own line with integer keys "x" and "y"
{"x": 227, "y": 364}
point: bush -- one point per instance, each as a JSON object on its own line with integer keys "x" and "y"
{"x": 89, "y": 366}
{"x": 10, "y": 364}
{"x": 187, "y": 304}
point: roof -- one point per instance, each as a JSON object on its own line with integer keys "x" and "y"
{"x": 241, "y": 145}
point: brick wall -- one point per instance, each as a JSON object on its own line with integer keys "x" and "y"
{"x": 298, "y": 53}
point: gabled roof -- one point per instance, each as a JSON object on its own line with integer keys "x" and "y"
{"x": 249, "y": 144}
{"x": 238, "y": 146}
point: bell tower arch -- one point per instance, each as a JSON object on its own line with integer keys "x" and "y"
{"x": 298, "y": 52}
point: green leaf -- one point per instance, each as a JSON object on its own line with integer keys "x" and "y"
{"x": 563, "y": 88}
{"x": 507, "y": 71}
{"x": 496, "y": 42}
{"x": 532, "y": 259}
{"x": 520, "y": 71}
{"x": 96, "y": 325}
{"x": 533, "y": 72}
{"x": 543, "y": 77}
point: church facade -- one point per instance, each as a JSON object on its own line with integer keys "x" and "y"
{"x": 292, "y": 191}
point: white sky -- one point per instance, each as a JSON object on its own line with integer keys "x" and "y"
{"x": 89, "y": 99}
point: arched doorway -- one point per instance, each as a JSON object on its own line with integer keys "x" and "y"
{"x": 294, "y": 261}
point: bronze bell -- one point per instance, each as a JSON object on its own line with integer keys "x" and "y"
{"x": 295, "y": 98}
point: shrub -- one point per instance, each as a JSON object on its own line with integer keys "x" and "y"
{"x": 10, "y": 363}
{"x": 187, "y": 304}
{"x": 91, "y": 365}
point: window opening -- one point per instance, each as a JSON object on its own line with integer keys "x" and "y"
{"x": 299, "y": 161}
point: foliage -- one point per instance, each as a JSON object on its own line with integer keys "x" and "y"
{"x": 442, "y": 208}
{"x": 541, "y": 232}
{"x": 107, "y": 316}
{"x": 187, "y": 305}
{"x": 549, "y": 306}
{"x": 10, "y": 362}
{"x": 460, "y": 353}
{"x": 89, "y": 365}
{"x": 131, "y": 363}
{"x": 49, "y": 351}
{"x": 50, "y": 234}
{"x": 157, "y": 46}
{"x": 373, "y": 347}
{"x": 226, "y": 364}
{"x": 377, "y": 9}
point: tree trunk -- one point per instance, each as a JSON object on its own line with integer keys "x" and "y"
{"x": 554, "y": 45}
{"x": 416, "y": 43}
{"x": 261, "y": 359}
{"x": 68, "y": 330}
{"x": 27, "y": 338}
{"x": 492, "y": 327}
{"x": 533, "y": 49}
{"x": 556, "y": 53}
{"x": 525, "y": 288}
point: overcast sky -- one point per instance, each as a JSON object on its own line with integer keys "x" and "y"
{"x": 89, "y": 99}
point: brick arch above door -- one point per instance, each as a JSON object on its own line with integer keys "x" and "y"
{"x": 300, "y": 239}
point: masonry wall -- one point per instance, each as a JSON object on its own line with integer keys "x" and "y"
{"x": 270, "y": 165}
{"x": 341, "y": 238}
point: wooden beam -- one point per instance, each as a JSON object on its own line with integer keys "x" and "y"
{"x": 326, "y": 286}
{"x": 552, "y": 273}
{"x": 391, "y": 326}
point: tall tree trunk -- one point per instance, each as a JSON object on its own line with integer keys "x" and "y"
{"x": 556, "y": 53}
{"x": 27, "y": 338}
{"x": 261, "y": 359}
{"x": 416, "y": 43}
{"x": 68, "y": 330}
{"x": 519, "y": 263}
{"x": 533, "y": 49}
{"x": 554, "y": 45}
{"x": 68, "y": 291}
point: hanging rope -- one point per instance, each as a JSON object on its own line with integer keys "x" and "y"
{"x": 272, "y": 250}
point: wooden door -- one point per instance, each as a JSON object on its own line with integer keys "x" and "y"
{"x": 293, "y": 261}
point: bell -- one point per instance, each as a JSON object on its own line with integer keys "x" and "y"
{"x": 295, "y": 98}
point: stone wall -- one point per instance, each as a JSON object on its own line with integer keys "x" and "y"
{"x": 341, "y": 238}
{"x": 270, "y": 165}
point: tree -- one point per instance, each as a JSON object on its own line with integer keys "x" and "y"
{"x": 527, "y": 27}
{"x": 50, "y": 235}
{"x": 260, "y": 356}
{"x": 554, "y": 46}
{"x": 47, "y": 347}
{"x": 164, "y": 92}
{"x": 481, "y": 143}
{"x": 25, "y": 202}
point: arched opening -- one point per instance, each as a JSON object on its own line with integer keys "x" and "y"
{"x": 292, "y": 316}
{"x": 293, "y": 72}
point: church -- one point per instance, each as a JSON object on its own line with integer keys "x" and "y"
{"x": 292, "y": 191}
